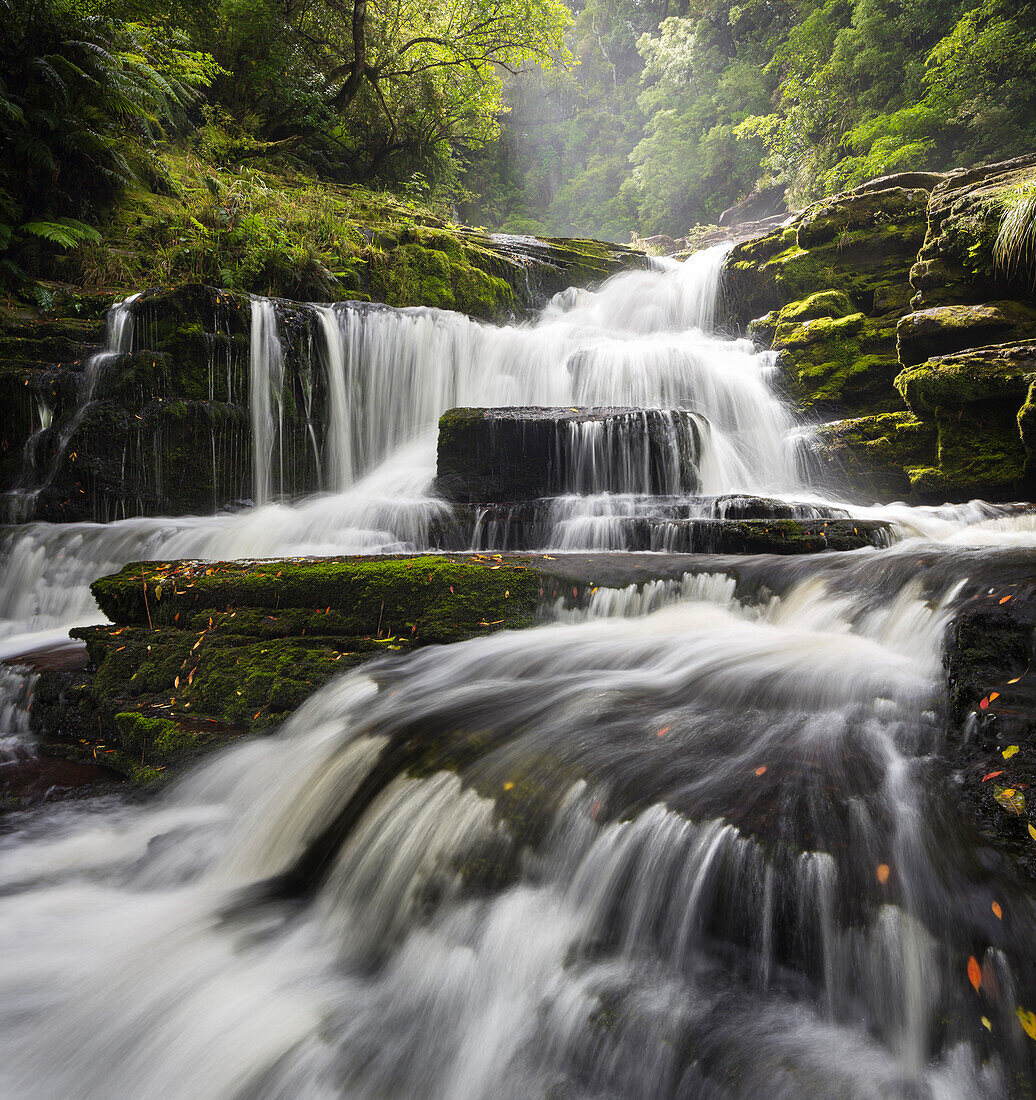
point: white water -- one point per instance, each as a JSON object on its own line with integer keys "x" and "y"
{"x": 646, "y": 915}
{"x": 143, "y": 969}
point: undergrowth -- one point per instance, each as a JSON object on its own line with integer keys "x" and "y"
{"x": 242, "y": 228}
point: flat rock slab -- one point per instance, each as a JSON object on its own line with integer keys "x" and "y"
{"x": 522, "y": 453}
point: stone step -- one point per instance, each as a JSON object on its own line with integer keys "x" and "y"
{"x": 534, "y": 527}
{"x": 513, "y": 454}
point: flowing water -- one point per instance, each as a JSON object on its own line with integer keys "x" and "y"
{"x": 631, "y": 853}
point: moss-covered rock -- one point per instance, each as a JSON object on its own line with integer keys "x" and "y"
{"x": 861, "y": 243}
{"x": 832, "y": 293}
{"x": 424, "y": 599}
{"x": 847, "y": 363}
{"x": 974, "y": 398}
{"x": 997, "y": 374}
{"x": 956, "y": 263}
{"x": 942, "y": 330}
{"x": 1027, "y": 429}
{"x": 875, "y": 455}
{"x": 199, "y": 652}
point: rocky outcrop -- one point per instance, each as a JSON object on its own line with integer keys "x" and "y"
{"x": 165, "y": 428}
{"x": 990, "y": 657}
{"x": 162, "y": 428}
{"x": 889, "y": 295}
{"x": 200, "y": 653}
{"x": 510, "y": 454}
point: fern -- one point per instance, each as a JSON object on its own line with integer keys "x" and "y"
{"x": 65, "y": 233}
{"x": 1015, "y": 250}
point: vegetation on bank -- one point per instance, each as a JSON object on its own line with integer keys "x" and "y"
{"x": 93, "y": 91}
{"x": 223, "y": 138}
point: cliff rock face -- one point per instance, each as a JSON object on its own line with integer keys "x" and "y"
{"x": 891, "y": 314}
{"x": 166, "y": 428}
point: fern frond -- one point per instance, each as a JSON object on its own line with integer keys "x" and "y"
{"x": 65, "y": 232}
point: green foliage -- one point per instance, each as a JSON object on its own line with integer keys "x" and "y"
{"x": 1015, "y": 250}
{"x": 679, "y": 110}
{"x": 82, "y": 96}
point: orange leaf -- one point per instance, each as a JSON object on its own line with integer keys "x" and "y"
{"x": 1005, "y": 599}
{"x": 761, "y": 770}
{"x": 994, "y": 695}
{"x": 997, "y": 911}
{"x": 974, "y": 972}
{"x": 663, "y": 731}
{"x": 992, "y": 775}
{"x": 882, "y": 873}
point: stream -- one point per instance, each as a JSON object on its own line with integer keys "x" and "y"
{"x": 677, "y": 843}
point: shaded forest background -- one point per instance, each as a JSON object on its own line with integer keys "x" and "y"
{"x": 608, "y": 119}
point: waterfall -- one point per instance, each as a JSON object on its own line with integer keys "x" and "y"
{"x": 17, "y": 504}
{"x": 265, "y": 401}
{"x": 713, "y": 778}
{"x": 629, "y": 854}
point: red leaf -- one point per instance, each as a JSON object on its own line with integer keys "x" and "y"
{"x": 974, "y": 972}
{"x": 992, "y": 775}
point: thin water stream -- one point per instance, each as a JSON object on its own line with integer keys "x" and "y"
{"x": 631, "y": 853}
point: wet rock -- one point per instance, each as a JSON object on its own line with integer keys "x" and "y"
{"x": 515, "y": 454}
{"x": 942, "y": 330}
{"x": 975, "y": 399}
{"x": 990, "y": 660}
{"x": 874, "y": 456}
{"x": 891, "y": 291}
{"x": 955, "y": 263}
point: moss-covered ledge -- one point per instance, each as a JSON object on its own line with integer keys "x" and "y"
{"x": 429, "y": 598}
{"x": 199, "y": 653}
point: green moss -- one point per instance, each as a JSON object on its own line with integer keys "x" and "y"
{"x": 992, "y": 374}
{"x": 845, "y": 363}
{"x": 1027, "y": 429}
{"x": 878, "y": 454}
{"x": 427, "y": 598}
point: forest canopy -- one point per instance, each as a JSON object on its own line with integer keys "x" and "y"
{"x": 605, "y": 118}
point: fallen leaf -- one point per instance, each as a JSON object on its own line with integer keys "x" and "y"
{"x": 992, "y": 775}
{"x": 662, "y": 732}
{"x": 1027, "y": 1020}
{"x": 761, "y": 770}
{"x": 974, "y": 972}
{"x": 1010, "y": 799}
{"x": 882, "y": 873}
{"x": 994, "y": 695}
{"x": 1005, "y": 599}
{"x": 1032, "y": 830}
{"x": 986, "y": 1024}
{"x": 508, "y": 786}
{"x": 984, "y": 704}
{"x": 1009, "y": 752}
{"x": 997, "y": 911}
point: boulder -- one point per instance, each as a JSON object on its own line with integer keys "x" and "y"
{"x": 941, "y": 330}
{"x": 512, "y": 454}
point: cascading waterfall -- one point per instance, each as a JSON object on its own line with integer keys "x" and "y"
{"x": 118, "y": 340}
{"x": 635, "y": 857}
{"x": 715, "y": 784}
{"x": 266, "y": 378}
